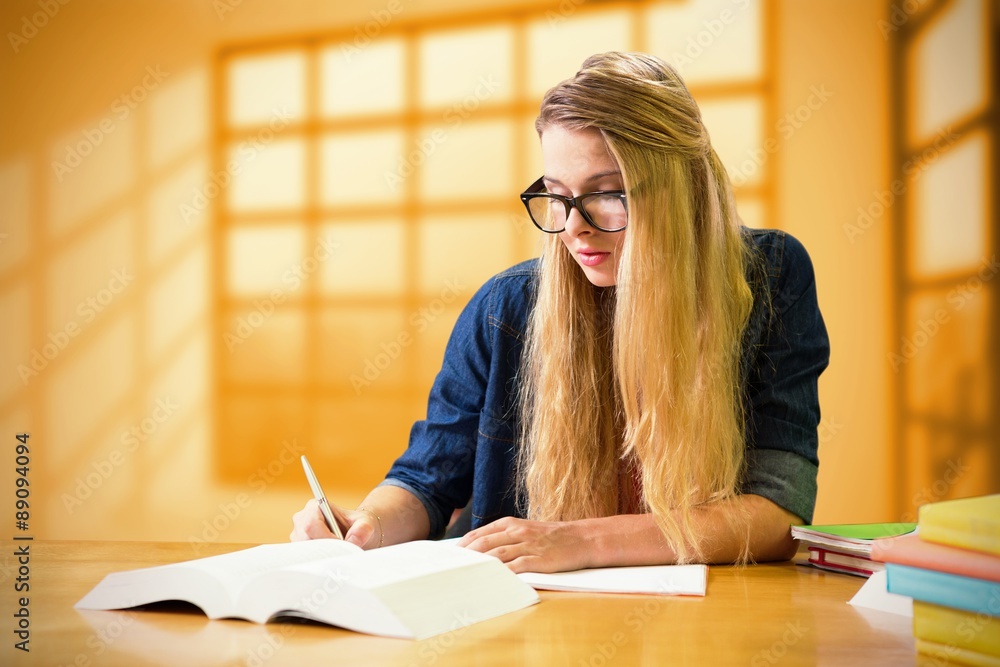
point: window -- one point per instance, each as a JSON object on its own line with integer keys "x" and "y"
{"x": 944, "y": 263}
{"x": 362, "y": 216}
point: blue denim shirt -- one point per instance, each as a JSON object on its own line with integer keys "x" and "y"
{"x": 465, "y": 448}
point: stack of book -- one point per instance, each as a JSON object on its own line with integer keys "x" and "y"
{"x": 951, "y": 569}
{"x": 847, "y": 547}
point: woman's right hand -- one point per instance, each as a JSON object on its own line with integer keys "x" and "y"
{"x": 358, "y": 526}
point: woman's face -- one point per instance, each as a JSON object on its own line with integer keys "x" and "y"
{"x": 577, "y": 162}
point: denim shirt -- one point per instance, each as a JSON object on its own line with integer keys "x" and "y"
{"x": 466, "y": 447}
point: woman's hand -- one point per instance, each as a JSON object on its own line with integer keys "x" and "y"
{"x": 358, "y": 526}
{"x": 533, "y": 546}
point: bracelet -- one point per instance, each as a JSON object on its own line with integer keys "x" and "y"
{"x": 381, "y": 535}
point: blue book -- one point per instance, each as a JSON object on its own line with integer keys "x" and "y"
{"x": 948, "y": 590}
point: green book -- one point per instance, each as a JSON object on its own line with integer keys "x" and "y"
{"x": 851, "y": 538}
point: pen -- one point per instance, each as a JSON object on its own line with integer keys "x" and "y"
{"x": 324, "y": 506}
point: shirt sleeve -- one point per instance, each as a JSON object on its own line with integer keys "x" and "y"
{"x": 438, "y": 464}
{"x": 782, "y": 392}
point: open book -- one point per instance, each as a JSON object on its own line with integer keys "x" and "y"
{"x": 412, "y": 590}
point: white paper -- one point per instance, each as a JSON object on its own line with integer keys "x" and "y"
{"x": 653, "y": 579}
{"x": 875, "y": 595}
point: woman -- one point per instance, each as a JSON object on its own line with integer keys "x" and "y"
{"x": 646, "y": 392}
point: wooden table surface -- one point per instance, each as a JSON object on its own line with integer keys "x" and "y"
{"x": 762, "y": 615}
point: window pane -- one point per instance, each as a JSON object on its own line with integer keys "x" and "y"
{"x": 265, "y": 343}
{"x": 268, "y": 176}
{"x": 944, "y": 346}
{"x": 950, "y": 210}
{"x": 459, "y": 253}
{"x": 557, "y": 47}
{"x": 467, "y": 160}
{"x": 261, "y": 86}
{"x": 370, "y": 258}
{"x": 256, "y": 429}
{"x": 532, "y": 151}
{"x": 355, "y": 458}
{"x": 361, "y": 81}
{"x": 362, "y": 168}
{"x": 259, "y": 257}
{"x": 466, "y": 66}
{"x": 363, "y": 349}
{"x": 708, "y": 40}
{"x": 734, "y": 126}
{"x": 949, "y": 62}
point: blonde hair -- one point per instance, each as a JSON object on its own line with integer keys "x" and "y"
{"x": 642, "y": 378}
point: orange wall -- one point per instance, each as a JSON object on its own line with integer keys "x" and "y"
{"x": 123, "y": 417}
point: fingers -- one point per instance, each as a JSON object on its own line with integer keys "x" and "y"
{"x": 308, "y": 524}
{"x": 491, "y": 535}
{"x": 362, "y": 532}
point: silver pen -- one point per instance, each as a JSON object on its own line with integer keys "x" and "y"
{"x": 324, "y": 506}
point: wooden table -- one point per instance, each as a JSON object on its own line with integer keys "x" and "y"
{"x": 762, "y": 615}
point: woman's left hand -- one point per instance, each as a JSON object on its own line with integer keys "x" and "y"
{"x": 532, "y": 546}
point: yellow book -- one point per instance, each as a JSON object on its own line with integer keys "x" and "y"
{"x": 955, "y": 655}
{"x": 953, "y": 627}
{"x": 969, "y": 523}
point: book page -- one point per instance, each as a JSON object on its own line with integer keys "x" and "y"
{"x": 653, "y": 579}
{"x": 400, "y": 562}
{"x": 234, "y": 570}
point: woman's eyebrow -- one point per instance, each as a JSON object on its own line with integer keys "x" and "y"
{"x": 593, "y": 177}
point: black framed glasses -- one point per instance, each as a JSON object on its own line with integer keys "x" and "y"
{"x": 606, "y": 210}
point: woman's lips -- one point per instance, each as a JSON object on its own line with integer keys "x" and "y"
{"x": 592, "y": 257}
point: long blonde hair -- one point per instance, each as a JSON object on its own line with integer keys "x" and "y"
{"x": 641, "y": 379}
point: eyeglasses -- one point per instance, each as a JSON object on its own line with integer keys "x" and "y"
{"x": 606, "y": 211}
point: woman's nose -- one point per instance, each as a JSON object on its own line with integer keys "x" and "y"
{"x": 576, "y": 225}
